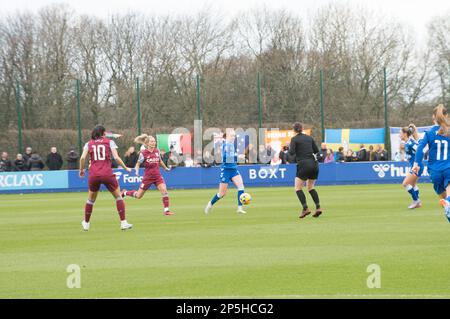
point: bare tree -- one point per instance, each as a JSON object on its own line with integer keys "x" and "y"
{"x": 354, "y": 45}
{"x": 439, "y": 44}
{"x": 47, "y": 51}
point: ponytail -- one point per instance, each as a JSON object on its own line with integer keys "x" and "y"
{"x": 440, "y": 116}
{"x": 142, "y": 139}
{"x": 409, "y": 130}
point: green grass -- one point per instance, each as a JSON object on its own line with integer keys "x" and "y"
{"x": 267, "y": 253}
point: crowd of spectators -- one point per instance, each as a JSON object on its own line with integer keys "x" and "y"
{"x": 327, "y": 155}
{"x": 32, "y": 161}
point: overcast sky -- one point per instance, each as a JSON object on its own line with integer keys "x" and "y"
{"x": 415, "y": 13}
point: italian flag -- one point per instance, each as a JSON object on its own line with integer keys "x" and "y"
{"x": 181, "y": 142}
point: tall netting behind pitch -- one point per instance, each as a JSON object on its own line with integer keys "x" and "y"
{"x": 229, "y": 97}
{"x": 46, "y": 114}
{"x": 352, "y": 102}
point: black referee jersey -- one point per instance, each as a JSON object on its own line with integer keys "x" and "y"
{"x": 303, "y": 147}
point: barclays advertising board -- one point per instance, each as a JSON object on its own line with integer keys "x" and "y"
{"x": 182, "y": 177}
{"x": 33, "y": 180}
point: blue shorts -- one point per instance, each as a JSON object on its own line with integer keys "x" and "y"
{"x": 440, "y": 180}
{"x": 227, "y": 174}
{"x": 421, "y": 167}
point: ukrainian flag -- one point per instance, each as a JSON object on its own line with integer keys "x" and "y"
{"x": 353, "y": 138}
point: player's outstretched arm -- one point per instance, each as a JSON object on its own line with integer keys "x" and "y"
{"x": 119, "y": 160}
{"x": 416, "y": 133}
{"x": 83, "y": 161}
{"x": 136, "y": 168}
{"x": 419, "y": 152}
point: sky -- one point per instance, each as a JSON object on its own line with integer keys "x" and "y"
{"x": 413, "y": 13}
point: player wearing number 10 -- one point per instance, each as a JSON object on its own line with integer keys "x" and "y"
{"x": 437, "y": 139}
{"x": 100, "y": 150}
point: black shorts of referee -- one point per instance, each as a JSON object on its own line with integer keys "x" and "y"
{"x": 307, "y": 169}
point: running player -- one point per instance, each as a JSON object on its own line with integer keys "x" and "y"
{"x": 150, "y": 158}
{"x": 228, "y": 172}
{"x": 100, "y": 150}
{"x": 305, "y": 150}
{"x": 410, "y": 137}
{"x": 437, "y": 139}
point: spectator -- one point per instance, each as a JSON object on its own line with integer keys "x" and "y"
{"x": 27, "y": 155}
{"x": 400, "y": 155}
{"x": 20, "y": 164}
{"x": 362, "y": 154}
{"x": 131, "y": 157}
{"x": 188, "y": 162}
{"x": 322, "y": 153}
{"x": 35, "y": 163}
{"x": 5, "y": 163}
{"x": 54, "y": 161}
{"x": 72, "y": 159}
{"x": 270, "y": 152}
{"x": 198, "y": 160}
{"x": 329, "y": 157}
{"x": 275, "y": 160}
{"x": 349, "y": 157}
{"x": 208, "y": 159}
{"x": 172, "y": 161}
{"x": 381, "y": 154}
{"x": 165, "y": 158}
{"x": 266, "y": 153}
{"x": 340, "y": 156}
{"x": 252, "y": 154}
{"x": 181, "y": 164}
{"x": 372, "y": 153}
{"x": 284, "y": 155}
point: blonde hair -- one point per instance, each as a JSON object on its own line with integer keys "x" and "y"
{"x": 440, "y": 116}
{"x": 142, "y": 139}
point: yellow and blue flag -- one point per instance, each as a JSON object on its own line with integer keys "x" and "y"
{"x": 350, "y": 138}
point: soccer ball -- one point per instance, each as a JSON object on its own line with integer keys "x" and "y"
{"x": 245, "y": 198}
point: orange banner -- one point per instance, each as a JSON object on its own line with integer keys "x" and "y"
{"x": 280, "y": 138}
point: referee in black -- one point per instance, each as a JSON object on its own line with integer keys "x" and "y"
{"x": 305, "y": 149}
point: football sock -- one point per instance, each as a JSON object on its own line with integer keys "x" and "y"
{"x": 302, "y": 198}
{"x": 215, "y": 199}
{"x": 120, "y": 207}
{"x": 411, "y": 191}
{"x": 240, "y": 192}
{"x": 165, "y": 200}
{"x": 88, "y": 210}
{"x": 416, "y": 189}
{"x": 315, "y": 197}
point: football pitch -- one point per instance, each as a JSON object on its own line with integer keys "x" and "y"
{"x": 268, "y": 253}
